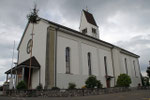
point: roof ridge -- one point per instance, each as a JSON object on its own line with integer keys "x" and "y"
{"x": 59, "y": 25}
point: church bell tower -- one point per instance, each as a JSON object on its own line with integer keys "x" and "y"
{"x": 88, "y": 25}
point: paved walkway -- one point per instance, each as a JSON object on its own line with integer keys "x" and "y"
{"x": 132, "y": 95}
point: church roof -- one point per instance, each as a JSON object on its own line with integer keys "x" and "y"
{"x": 92, "y": 38}
{"x": 33, "y": 60}
{"x": 89, "y": 18}
{"x": 84, "y": 36}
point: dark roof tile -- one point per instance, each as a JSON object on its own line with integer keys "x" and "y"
{"x": 89, "y": 18}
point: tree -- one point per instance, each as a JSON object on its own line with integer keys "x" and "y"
{"x": 92, "y": 82}
{"x": 33, "y": 16}
{"x": 123, "y": 80}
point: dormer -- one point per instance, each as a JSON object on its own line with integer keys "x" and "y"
{"x": 88, "y": 25}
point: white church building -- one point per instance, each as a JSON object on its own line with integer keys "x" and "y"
{"x": 61, "y": 55}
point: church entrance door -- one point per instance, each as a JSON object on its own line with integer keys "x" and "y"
{"x": 108, "y": 83}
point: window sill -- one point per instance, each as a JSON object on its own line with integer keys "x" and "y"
{"x": 69, "y": 73}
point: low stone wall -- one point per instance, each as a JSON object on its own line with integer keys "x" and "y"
{"x": 68, "y": 93}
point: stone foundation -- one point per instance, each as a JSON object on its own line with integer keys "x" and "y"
{"x": 68, "y": 93}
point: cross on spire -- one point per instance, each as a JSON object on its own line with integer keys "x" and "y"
{"x": 86, "y": 8}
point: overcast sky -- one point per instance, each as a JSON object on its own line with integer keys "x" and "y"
{"x": 125, "y": 23}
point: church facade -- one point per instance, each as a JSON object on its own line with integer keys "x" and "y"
{"x": 61, "y": 55}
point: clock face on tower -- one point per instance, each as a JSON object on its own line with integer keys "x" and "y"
{"x": 29, "y": 46}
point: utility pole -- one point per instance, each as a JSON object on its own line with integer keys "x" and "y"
{"x": 12, "y": 59}
{"x": 32, "y": 18}
{"x": 11, "y": 85}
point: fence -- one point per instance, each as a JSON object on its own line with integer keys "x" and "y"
{"x": 67, "y": 92}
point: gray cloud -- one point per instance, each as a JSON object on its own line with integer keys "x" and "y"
{"x": 122, "y": 22}
{"x": 139, "y": 45}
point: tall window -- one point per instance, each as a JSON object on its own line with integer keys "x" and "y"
{"x": 126, "y": 67}
{"x": 89, "y": 63}
{"x": 94, "y": 32}
{"x": 134, "y": 68}
{"x": 67, "y": 60}
{"x": 105, "y": 64}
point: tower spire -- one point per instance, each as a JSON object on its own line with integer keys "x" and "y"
{"x": 86, "y": 8}
{"x": 88, "y": 24}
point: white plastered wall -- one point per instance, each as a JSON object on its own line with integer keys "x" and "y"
{"x": 79, "y": 63}
{"x": 102, "y": 74}
{"x": 133, "y": 71}
{"x": 39, "y": 50}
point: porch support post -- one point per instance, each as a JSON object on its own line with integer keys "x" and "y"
{"x": 39, "y": 76}
{"x": 16, "y": 78}
{"x": 6, "y": 77}
{"x": 22, "y": 73}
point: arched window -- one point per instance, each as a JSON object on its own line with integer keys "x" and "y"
{"x": 105, "y": 64}
{"x": 126, "y": 67}
{"x": 134, "y": 68}
{"x": 89, "y": 63}
{"x": 67, "y": 60}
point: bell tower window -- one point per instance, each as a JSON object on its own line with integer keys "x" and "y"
{"x": 93, "y": 30}
{"x": 84, "y": 31}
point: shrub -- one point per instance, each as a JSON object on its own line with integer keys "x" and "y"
{"x": 123, "y": 80}
{"x": 145, "y": 81}
{"x": 21, "y": 85}
{"x": 55, "y": 88}
{"x": 39, "y": 87}
{"x": 72, "y": 86}
{"x": 92, "y": 82}
{"x": 98, "y": 84}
